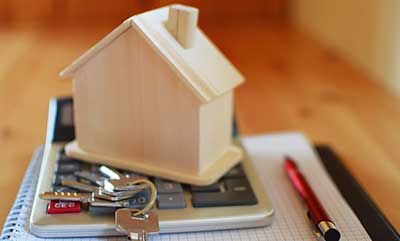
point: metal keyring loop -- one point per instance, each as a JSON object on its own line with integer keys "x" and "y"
{"x": 152, "y": 199}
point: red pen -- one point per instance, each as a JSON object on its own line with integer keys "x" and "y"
{"x": 319, "y": 218}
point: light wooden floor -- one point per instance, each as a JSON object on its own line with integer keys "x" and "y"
{"x": 292, "y": 84}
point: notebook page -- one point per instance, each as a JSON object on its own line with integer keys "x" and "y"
{"x": 290, "y": 222}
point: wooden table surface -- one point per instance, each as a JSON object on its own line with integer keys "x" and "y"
{"x": 293, "y": 84}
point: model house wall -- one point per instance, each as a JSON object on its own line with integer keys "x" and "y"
{"x": 216, "y": 127}
{"x": 156, "y": 96}
{"x": 127, "y": 95}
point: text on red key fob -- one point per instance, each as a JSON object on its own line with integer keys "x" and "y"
{"x": 61, "y": 206}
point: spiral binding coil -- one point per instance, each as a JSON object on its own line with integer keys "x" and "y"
{"x": 17, "y": 218}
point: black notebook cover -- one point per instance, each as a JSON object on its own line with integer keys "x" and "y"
{"x": 377, "y": 226}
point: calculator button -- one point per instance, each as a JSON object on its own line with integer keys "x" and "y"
{"x": 171, "y": 201}
{"x": 237, "y": 185}
{"x": 238, "y": 192}
{"x": 101, "y": 210}
{"x": 94, "y": 168}
{"x": 60, "y": 206}
{"x": 215, "y": 187}
{"x": 219, "y": 199}
{"x": 63, "y": 177}
{"x": 235, "y": 172}
{"x": 62, "y": 158}
{"x": 68, "y": 168}
{"x": 167, "y": 186}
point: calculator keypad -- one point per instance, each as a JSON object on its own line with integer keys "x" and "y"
{"x": 231, "y": 190}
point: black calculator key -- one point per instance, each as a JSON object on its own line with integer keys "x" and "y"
{"x": 237, "y": 185}
{"x": 220, "y": 199}
{"x": 235, "y": 172}
{"x": 215, "y": 187}
{"x": 68, "y": 167}
{"x": 62, "y": 177}
{"x": 101, "y": 210}
{"x": 63, "y": 158}
{"x": 94, "y": 168}
{"x": 238, "y": 192}
{"x": 164, "y": 186}
{"x": 171, "y": 201}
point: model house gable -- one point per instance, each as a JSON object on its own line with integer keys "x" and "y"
{"x": 202, "y": 66}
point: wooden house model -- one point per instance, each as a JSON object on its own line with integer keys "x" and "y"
{"x": 156, "y": 96}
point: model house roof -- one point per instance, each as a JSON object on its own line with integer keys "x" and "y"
{"x": 204, "y": 68}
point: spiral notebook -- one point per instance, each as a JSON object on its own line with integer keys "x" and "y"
{"x": 267, "y": 152}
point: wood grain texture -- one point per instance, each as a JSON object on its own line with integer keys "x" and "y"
{"x": 136, "y": 108}
{"x": 203, "y": 67}
{"x": 131, "y": 105}
{"x": 182, "y": 24}
{"x": 293, "y": 83}
{"x": 215, "y": 129}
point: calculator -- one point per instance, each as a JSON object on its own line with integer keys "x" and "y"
{"x": 236, "y": 200}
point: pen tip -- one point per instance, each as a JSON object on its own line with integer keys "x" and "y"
{"x": 332, "y": 235}
{"x": 287, "y": 157}
{"x": 290, "y": 161}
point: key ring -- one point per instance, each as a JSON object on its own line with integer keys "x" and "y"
{"x": 152, "y": 199}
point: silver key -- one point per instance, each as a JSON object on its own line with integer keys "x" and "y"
{"x": 67, "y": 196}
{"x": 121, "y": 194}
{"x": 85, "y": 198}
{"x": 111, "y": 172}
{"x": 91, "y": 177}
{"x": 119, "y": 182}
{"x": 136, "y": 228}
{"x": 99, "y": 192}
{"x": 89, "y": 188}
{"x": 104, "y": 203}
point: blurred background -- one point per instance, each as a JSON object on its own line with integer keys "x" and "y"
{"x": 326, "y": 68}
{"x": 41, "y": 11}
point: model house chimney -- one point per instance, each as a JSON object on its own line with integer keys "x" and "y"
{"x": 182, "y": 24}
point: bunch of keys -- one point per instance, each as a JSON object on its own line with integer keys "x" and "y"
{"x": 136, "y": 226}
{"x": 104, "y": 192}
{"x": 115, "y": 191}
{"x": 138, "y": 223}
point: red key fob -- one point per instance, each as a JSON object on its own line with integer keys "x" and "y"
{"x": 61, "y": 206}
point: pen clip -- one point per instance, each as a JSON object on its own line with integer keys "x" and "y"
{"x": 317, "y": 233}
